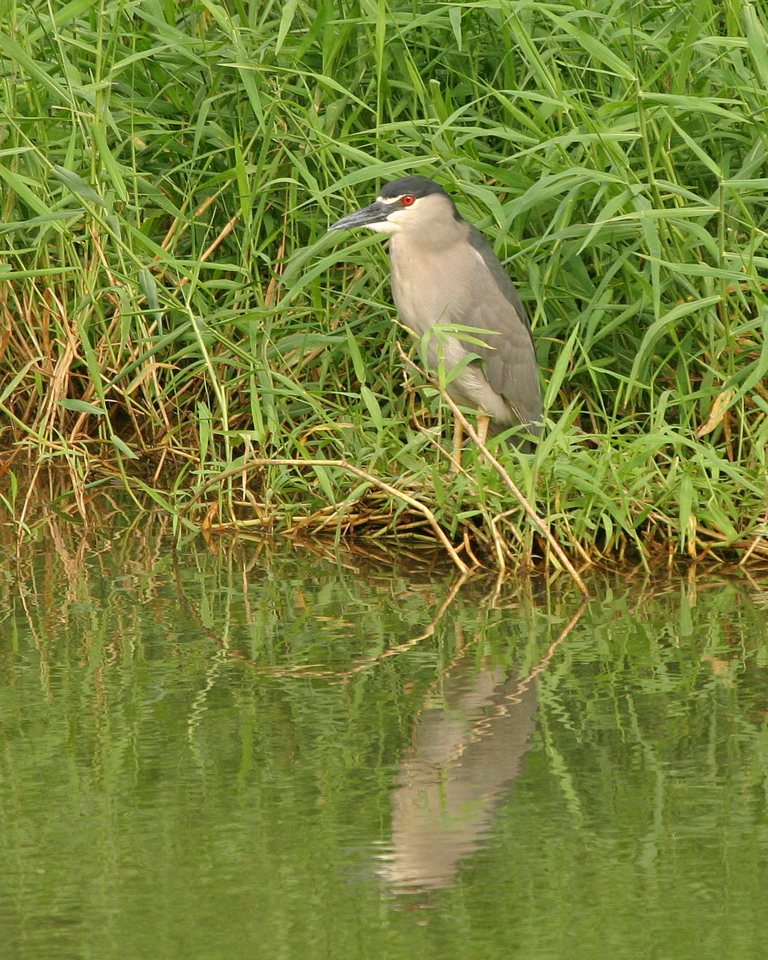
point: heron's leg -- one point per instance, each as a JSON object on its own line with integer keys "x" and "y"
{"x": 458, "y": 439}
{"x": 483, "y": 423}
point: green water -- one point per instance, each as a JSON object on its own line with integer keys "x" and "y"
{"x": 273, "y": 753}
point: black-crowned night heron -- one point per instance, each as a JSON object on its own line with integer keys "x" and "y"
{"x": 453, "y": 294}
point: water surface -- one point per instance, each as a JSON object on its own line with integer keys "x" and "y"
{"x": 281, "y": 753}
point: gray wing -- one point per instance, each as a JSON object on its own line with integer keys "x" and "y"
{"x": 510, "y": 357}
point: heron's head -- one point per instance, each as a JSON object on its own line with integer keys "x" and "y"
{"x": 407, "y": 204}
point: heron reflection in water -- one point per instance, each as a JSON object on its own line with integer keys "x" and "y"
{"x": 467, "y": 747}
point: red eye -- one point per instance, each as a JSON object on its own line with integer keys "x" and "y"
{"x": 407, "y": 200}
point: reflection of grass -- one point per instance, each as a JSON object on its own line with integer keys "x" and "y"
{"x": 157, "y": 723}
{"x": 174, "y": 307}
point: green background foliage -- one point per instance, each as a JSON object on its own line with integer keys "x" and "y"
{"x": 172, "y": 306}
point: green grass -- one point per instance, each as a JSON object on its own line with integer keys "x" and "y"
{"x": 175, "y": 316}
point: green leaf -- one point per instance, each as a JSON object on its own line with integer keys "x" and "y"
{"x": 757, "y": 38}
{"x": 82, "y": 406}
{"x": 123, "y": 447}
{"x": 77, "y": 185}
{"x": 286, "y": 20}
{"x": 369, "y": 399}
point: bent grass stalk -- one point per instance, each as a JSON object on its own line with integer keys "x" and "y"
{"x": 349, "y": 468}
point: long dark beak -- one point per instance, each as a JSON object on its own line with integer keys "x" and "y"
{"x": 374, "y": 213}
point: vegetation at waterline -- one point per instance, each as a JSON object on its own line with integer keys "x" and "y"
{"x": 175, "y": 317}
